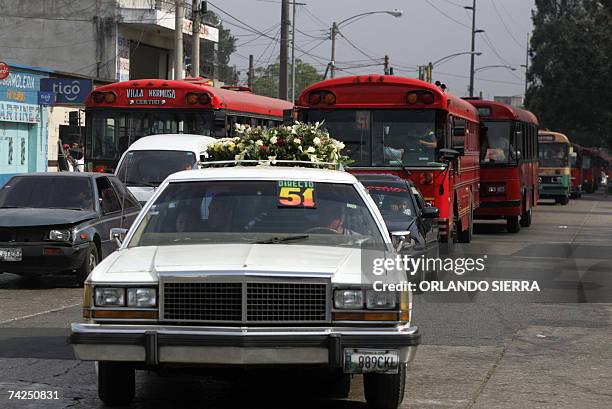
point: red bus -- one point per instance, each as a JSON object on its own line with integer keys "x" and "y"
{"x": 589, "y": 170}
{"x": 410, "y": 128}
{"x": 120, "y": 113}
{"x": 508, "y": 164}
{"x": 576, "y": 176}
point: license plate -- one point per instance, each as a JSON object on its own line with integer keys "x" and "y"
{"x": 10, "y": 254}
{"x": 370, "y": 360}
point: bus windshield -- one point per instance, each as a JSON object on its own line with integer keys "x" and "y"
{"x": 385, "y": 137}
{"x": 497, "y": 147}
{"x": 554, "y": 155}
{"x": 109, "y": 133}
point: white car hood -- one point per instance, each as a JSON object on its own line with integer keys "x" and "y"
{"x": 342, "y": 264}
{"x": 142, "y": 193}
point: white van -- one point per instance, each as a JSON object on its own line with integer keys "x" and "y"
{"x": 151, "y": 159}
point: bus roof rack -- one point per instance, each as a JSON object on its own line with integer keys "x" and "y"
{"x": 270, "y": 162}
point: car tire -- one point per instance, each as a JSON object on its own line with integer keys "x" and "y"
{"x": 526, "y": 218}
{"x": 89, "y": 263}
{"x": 512, "y": 224}
{"x": 116, "y": 383}
{"x": 433, "y": 275}
{"x": 564, "y": 200}
{"x": 339, "y": 386}
{"x": 384, "y": 391}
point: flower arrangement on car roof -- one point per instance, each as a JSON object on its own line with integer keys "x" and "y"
{"x": 299, "y": 142}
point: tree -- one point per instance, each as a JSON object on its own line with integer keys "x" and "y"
{"x": 218, "y": 68}
{"x": 570, "y": 81}
{"x": 266, "y": 78}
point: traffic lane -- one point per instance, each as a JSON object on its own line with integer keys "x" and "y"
{"x": 21, "y": 299}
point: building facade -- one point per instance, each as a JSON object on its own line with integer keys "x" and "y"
{"x": 23, "y": 122}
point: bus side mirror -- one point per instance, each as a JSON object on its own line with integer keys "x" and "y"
{"x": 288, "y": 116}
{"x": 219, "y": 121}
{"x": 448, "y": 155}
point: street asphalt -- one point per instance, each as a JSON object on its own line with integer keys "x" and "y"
{"x": 546, "y": 349}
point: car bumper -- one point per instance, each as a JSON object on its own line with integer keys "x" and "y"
{"x": 498, "y": 208}
{"x": 553, "y": 191}
{"x": 153, "y": 345}
{"x": 35, "y": 261}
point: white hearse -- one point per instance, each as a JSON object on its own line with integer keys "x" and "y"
{"x": 251, "y": 266}
{"x": 151, "y": 159}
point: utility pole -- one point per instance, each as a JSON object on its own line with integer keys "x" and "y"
{"x": 179, "y": 14}
{"x": 195, "y": 37}
{"x": 386, "y": 65}
{"x": 526, "y": 67}
{"x": 332, "y": 62}
{"x": 284, "y": 42}
{"x": 251, "y": 73}
{"x": 428, "y": 72}
{"x": 293, "y": 53}
{"x": 473, "y": 8}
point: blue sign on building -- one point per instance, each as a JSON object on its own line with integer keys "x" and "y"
{"x": 68, "y": 90}
{"x": 46, "y": 98}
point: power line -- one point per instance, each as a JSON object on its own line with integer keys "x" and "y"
{"x": 505, "y": 26}
{"x": 447, "y": 16}
{"x": 355, "y": 47}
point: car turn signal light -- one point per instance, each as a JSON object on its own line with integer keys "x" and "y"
{"x": 420, "y": 97}
{"x": 321, "y": 97}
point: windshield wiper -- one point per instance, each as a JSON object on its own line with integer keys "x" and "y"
{"x": 278, "y": 240}
{"x": 134, "y": 183}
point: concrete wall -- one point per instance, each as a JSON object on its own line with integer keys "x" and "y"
{"x": 71, "y": 36}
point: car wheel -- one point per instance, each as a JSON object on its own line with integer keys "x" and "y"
{"x": 564, "y": 200}
{"x": 526, "y": 219}
{"x": 384, "y": 391}
{"x": 339, "y": 386}
{"x": 512, "y": 224}
{"x": 434, "y": 275}
{"x": 116, "y": 383}
{"x": 89, "y": 263}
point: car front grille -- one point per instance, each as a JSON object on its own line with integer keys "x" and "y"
{"x": 245, "y": 302}
{"x": 22, "y": 235}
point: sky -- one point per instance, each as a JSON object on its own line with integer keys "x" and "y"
{"x": 427, "y": 31}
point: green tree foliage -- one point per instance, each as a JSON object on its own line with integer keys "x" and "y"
{"x": 266, "y": 78}
{"x": 571, "y": 71}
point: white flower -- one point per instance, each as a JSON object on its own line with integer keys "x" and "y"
{"x": 273, "y": 140}
{"x": 316, "y": 141}
{"x": 311, "y": 149}
{"x": 259, "y": 142}
{"x": 297, "y": 141}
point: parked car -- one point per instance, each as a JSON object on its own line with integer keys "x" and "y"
{"x": 403, "y": 208}
{"x": 249, "y": 267}
{"x": 150, "y": 160}
{"x": 60, "y": 222}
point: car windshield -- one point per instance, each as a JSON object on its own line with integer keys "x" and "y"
{"x": 385, "y": 137}
{"x": 150, "y": 168}
{"x": 554, "y": 155}
{"x": 393, "y": 199}
{"x": 44, "y": 192}
{"x": 328, "y": 214}
{"x": 497, "y": 147}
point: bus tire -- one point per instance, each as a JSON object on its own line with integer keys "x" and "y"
{"x": 526, "y": 218}
{"x": 512, "y": 224}
{"x": 564, "y": 200}
{"x": 465, "y": 236}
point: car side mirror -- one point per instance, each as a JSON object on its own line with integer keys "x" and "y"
{"x": 447, "y": 154}
{"x": 401, "y": 240}
{"x": 117, "y": 234}
{"x": 430, "y": 212}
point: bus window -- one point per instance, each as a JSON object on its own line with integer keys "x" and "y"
{"x": 497, "y": 147}
{"x": 104, "y": 138}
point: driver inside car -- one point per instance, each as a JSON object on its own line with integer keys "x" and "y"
{"x": 332, "y": 218}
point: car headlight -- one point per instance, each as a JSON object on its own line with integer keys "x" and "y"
{"x": 141, "y": 297}
{"x": 109, "y": 297}
{"x": 348, "y": 299}
{"x": 59, "y": 235}
{"x": 380, "y": 300}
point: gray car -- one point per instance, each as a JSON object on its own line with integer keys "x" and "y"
{"x": 58, "y": 223}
